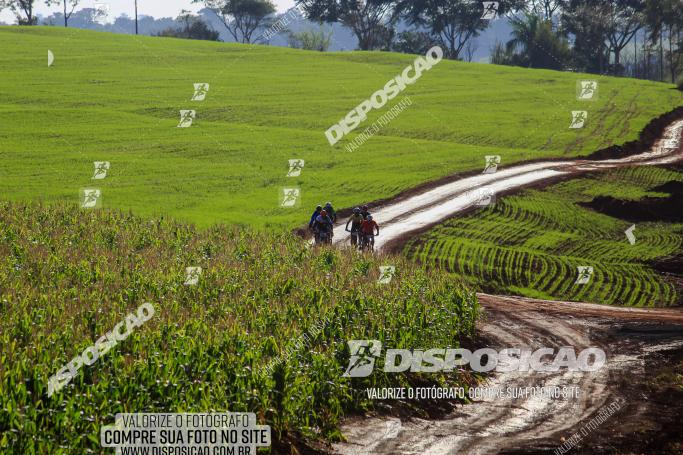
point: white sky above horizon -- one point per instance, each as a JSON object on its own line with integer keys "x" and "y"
{"x": 154, "y": 8}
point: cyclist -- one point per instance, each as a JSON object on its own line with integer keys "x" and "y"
{"x": 323, "y": 228}
{"x": 318, "y": 209}
{"x": 368, "y": 229}
{"x": 331, "y": 212}
{"x": 356, "y": 220}
{"x": 364, "y": 211}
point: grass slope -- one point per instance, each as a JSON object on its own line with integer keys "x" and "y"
{"x": 531, "y": 244}
{"x": 117, "y": 98}
{"x": 67, "y": 278}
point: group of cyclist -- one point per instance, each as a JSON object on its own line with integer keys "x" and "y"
{"x": 363, "y": 228}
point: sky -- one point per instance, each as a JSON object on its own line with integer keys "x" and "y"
{"x": 155, "y": 8}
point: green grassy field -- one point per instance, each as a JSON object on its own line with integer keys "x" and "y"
{"x": 68, "y": 277}
{"x": 531, "y": 244}
{"x": 117, "y": 98}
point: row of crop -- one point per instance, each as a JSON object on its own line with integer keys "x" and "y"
{"x": 536, "y": 241}
{"x": 495, "y": 268}
{"x": 68, "y": 277}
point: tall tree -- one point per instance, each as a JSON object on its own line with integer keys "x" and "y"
{"x": 587, "y": 21}
{"x": 241, "y": 17}
{"x": 667, "y": 15}
{"x": 536, "y": 45}
{"x": 372, "y": 21}
{"x": 191, "y": 27}
{"x": 19, "y": 7}
{"x": 453, "y": 22}
{"x": 67, "y": 13}
{"x": 546, "y": 8}
{"x": 625, "y": 18}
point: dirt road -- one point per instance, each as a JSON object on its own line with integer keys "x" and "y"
{"x": 631, "y": 337}
{"x": 408, "y": 216}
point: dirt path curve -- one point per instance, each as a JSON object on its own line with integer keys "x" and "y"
{"x": 414, "y": 214}
{"x": 524, "y": 423}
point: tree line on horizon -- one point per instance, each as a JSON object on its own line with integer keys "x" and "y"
{"x": 635, "y": 38}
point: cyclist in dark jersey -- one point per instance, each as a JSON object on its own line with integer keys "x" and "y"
{"x": 356, "y": 220}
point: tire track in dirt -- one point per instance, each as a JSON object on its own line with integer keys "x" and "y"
{"x": 419, "y": 212}
{"x": 526, "y": 424}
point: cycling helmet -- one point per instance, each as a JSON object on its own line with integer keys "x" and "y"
{"x": 369, "y": 218}
{"x": 365, "y": 208}
{"x": 319, "y": 207}
{"x": 356, "y": 210}
{"x": 324, "y": 213}
{"x": 329, "y": 204}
